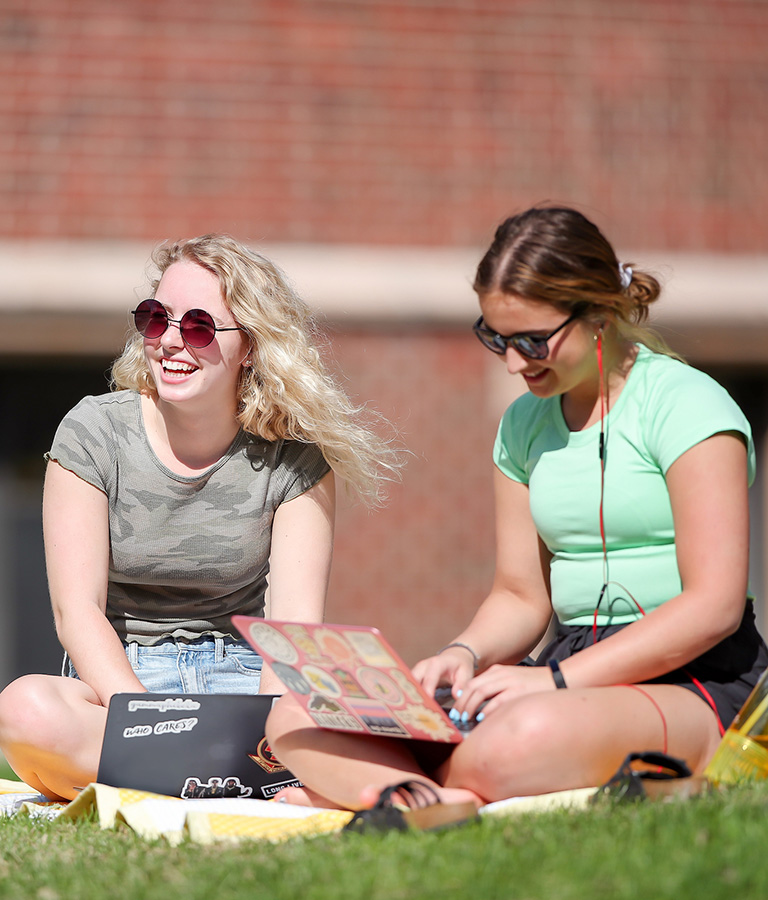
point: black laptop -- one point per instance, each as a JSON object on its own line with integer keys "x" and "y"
{"x": 191, "y": 745}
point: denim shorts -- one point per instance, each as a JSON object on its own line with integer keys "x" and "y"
{"x": 206, "y": 665}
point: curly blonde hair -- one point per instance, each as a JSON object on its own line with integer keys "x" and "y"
{"x": 556, "y": 255}
{"x": 286, "y": 392}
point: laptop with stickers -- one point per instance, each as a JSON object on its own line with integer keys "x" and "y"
{"x": 191, "y": 745}
{"x": 348, "y": 678}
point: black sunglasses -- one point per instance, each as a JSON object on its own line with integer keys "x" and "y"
{"x": 530, "y": 345}
{"x": 196, "y": 326}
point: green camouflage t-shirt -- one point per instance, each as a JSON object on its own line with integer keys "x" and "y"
{"x": 186, "y": 553}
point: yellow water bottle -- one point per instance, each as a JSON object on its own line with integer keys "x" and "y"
{"x": 742, "y": 755}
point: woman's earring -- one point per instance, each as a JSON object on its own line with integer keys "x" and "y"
{"x": 247, "y": 362}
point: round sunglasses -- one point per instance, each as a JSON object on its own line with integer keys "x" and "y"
{"x": 531, "y": 345}
{"x": 196, "y": 326}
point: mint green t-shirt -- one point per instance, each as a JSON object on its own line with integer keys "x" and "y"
{"x": 665, "y": 408}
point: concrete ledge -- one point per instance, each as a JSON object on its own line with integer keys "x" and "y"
{"x": 74, "y": 297}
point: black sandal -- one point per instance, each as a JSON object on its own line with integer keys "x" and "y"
{"x": 670, "y": 777}
{"x": 420, "y": 809}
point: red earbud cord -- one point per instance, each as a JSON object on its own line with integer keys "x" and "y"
{"x": 601, "y": 449}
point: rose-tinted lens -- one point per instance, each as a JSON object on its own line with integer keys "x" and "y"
{"x": 151, "y": 319}
{"x": 197, "y": 328}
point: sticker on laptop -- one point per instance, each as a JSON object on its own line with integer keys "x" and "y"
{"x": 300, "y": 637}
{"x": 292, "y": 678}
{"x": 379, "y": 685}
{"x": 377, "y": 718}
{"x": 369, "y": 648}
{"x": 330, "y": 714}
{"x": 356, "y": 683}
{"x": 274, "y": 643}
{"x": 426, "y": 720}
{"x": 334, "y": 646}
{"x": 321, "y": 681}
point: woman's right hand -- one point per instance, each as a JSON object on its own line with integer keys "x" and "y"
{"x": 453, "y": 668}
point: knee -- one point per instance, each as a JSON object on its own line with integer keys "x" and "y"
{"x": 525, "y": 725}
{"x": 27, "y": 706}
{"x": 514, "y": 739}
{"x": 286, "y": 716}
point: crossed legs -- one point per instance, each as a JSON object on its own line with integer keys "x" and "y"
{"x": 538, "y": 743}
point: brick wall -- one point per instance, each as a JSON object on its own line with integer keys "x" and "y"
{"x": 389, "y": 123}
{"x": 420, "y": 566}
{"x": 412, "y": 122}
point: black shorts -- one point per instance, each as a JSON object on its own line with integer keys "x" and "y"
{"x": 727, "y": 672}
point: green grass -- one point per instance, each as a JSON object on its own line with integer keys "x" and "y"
{"x": 703, "y": 849}
{"x": 6, "y": 771}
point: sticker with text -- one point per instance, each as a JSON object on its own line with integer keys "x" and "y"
{"x": 266, "y": 759}
{"x": 328, "y": 713}
{"x": 369, "y": 648}
{"x": 171, "y": 726}
{"x": 169, "y": 704}
{"x": 377, "y": 718}
{"x": 273, "y": 643}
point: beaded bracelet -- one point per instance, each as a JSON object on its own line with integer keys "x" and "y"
{"x": 475, "y": 657}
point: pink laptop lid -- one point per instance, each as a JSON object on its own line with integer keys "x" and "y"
{"x": 348, "y": 678}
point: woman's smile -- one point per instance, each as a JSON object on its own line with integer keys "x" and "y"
{"x": 177, "y": 369}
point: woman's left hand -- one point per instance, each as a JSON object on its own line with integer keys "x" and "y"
{"x": 499, "y": 685}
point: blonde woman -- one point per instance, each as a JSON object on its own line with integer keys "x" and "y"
{"x": 173, "y": 501}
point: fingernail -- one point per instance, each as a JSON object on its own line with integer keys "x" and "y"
{"x": 453, "y": 715}
{"x": 465, "y": 716}
{"x": 480, "y": 716}
{"x": 459, "y": 693}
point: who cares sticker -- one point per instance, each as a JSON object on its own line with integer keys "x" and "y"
{"x": 169, "y": 726}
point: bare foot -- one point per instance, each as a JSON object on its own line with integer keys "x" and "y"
{"x": 370, "y": 794}
{"x": 303, "y": 796}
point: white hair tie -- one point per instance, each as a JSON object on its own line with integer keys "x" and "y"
{"x": 625, "y": 276}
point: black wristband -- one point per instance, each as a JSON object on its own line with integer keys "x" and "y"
{"x": 557, "y": 675}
